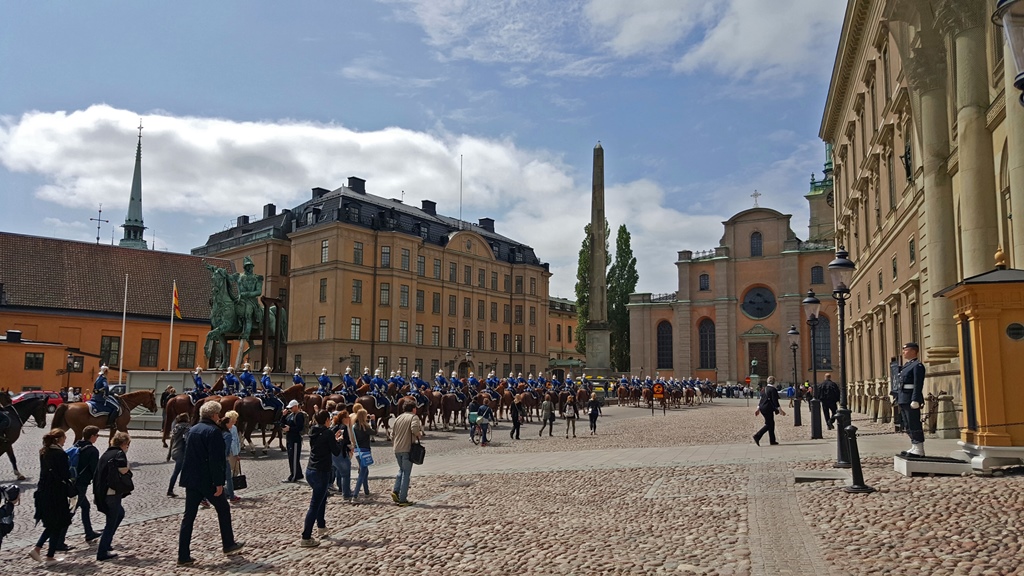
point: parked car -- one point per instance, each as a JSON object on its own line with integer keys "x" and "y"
{"x": 52, "y": 398}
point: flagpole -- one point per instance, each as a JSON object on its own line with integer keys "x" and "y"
{"x": 124, "y": 318}
{"x": 170, "y": 343}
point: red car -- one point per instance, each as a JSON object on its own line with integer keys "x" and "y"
{"x": 52, "y": 398}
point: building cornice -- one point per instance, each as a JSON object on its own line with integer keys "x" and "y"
{"x": 843, "y": 69}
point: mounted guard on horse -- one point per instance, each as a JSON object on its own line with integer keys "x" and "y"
{"x": 201, "y": 389}
{"x": 103, "y": 401}
{"x": 379, "y": 390}
{"x": 231, "y": 383}
{"x": 325, "y": 388}
{"x": 248, "y": 381}
{"x": 270, "y": 391}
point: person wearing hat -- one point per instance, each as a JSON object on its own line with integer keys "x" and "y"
{"x": 350, "y": 382}
{"x": 248, "y": 381}
{"x": 297, "y": 377}
{"x": 366, "y": 375}
{"x": 100, "y": 392}
{"x": 231, "y": 382}
{"x": 199, "y": 391}
{"x": 293, "y": 424}
{"x": 910, "y": 397}
{"x": 326, "y": 386}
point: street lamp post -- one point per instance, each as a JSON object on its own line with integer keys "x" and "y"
{"x": 794, "y": 343}
{"x": 812, "y": 306}
{"x": 67, "y": 370}
{"x": 1010, "y": 15}
{"x": 841, "y": 270}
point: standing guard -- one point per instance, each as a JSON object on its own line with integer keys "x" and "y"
{"x": 910, "y": 397}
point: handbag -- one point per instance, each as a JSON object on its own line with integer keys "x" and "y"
{"x": 239, "y": 481}
{"x": 365, "y": 457}
{"x": 417, "y": 452}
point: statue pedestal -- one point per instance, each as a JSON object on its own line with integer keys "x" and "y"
{"x": 599, "y": 345}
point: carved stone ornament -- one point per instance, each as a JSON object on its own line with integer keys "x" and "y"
{"x": 953, "y": 17}
{"x": 926, "y": 69}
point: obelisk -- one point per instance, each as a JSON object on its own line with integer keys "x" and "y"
{"x": 598, "y": 334}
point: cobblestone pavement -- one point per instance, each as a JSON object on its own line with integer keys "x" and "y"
{"x": 683, "y": 493}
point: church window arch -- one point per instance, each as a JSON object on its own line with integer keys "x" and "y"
{"x": 704, "y": 282}
{"x": 823, "y": 343}
{"x": 756, "y": 244}
{"x": 664, "y": 337}
{"x": 706, "y": 335}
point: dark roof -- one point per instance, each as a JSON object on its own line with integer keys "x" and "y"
{"x": 997, "y": 276}
{"x": 55, "y": 274}
{"x": 276, "y": 226}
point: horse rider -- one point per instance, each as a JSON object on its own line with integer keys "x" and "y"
{"x": 297, "y": 377}
{"x": 474, "y": 384}
{"x": 231, "y": 383}
{"x": 270, "y": 392}
{"x": 200, "y": 390}
{"x": 350, "y": 382}
{"x": 326, "y": 386}
{"x": 416, "y": 391}
{"x": 393, "y": 378}
{"x": 378, "y": 387}
{"x": 440, "y": 383}
{"x": 250, "y": 288}
{"x": 366, "y": 375}
{"x": 399, "y": 381}
{"x": 99, "y": 400}
{"x": 248, "y": 382}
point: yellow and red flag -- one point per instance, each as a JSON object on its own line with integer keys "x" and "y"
{"x": 177, "y": 307}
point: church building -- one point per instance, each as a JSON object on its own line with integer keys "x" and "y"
{"x": 736, "y": 303}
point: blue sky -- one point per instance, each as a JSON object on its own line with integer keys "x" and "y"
{"x": 697, "y": 103}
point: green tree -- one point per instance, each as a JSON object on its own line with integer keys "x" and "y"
{"x": 583, "y": 287}
{"x": 622, "y": 281}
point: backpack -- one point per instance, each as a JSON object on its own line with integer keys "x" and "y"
{"x": 73, "y": 453}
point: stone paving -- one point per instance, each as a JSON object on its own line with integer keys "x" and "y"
{"x": 683, "y": 493}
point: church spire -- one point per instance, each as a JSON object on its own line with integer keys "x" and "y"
{"x": 133, "y": 226}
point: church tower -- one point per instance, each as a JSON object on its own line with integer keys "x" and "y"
{"x": 133, "y": 226}
{"x": 821, "y": 199}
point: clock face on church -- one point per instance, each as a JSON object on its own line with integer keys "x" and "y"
{"x": 758, "y": 303}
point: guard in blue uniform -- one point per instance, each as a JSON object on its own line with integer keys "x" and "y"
{"x": 326, "y": 386}
{"x": 248, "y": 382}
{"x": 297, "y": 377}
{"x": 99, "y": 400}
{"x": 200, "y": 390}
{"x": 440, "y": 383}
{"x": 231, "y": 383}
{"x": 270, "y": 391}
{"x": 366, "y": 376}
{"x": 350, "y": 382}
{"x": 910, "y": 397}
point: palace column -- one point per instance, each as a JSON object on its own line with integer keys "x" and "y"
{"x": 1015, "y": 153}
{"x": 964, "y": 23}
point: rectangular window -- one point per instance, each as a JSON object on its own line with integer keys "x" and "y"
{"x": 357, "y": 329}
{"x": 467, "y": 276}
{"x": 494, "y": 341}
{"x": 533, "y": 315}
{"x": 284, "y": 264}
{"x": 452, "y": 303}
{"x": 357, "y": 290}
{"x": 421, "y": 266}
{"x": 481, "y": 310}
{"x": 437, "y": 269}
{"x": 357, "y": 361}
{"x": 419, "y": 300}
{"x": 508, "y": 314}
{"x": 403, "y": 296}
{"x": 494, "y": 281}
{"x": 913, "y": 251}
{"x": 403, "y": 364}
{"x": 467, "y": 307}
{"x": 533, "y": 344}
{"x": 451, "y": 337}
{"x": 323, "y": 289}
{"x": 519, "y": 343}
{"x": 419, "y": 334}
{"x": 508, "y": 283}
{"x": 324, "y": 244}
{"x": 435, "y": 335}
{"x": 282, "y": 295}
{"x": 879, "y": 282}
{"x": 33, "y": 360}
{"x": 382, "y": 333}
{"x": 506, "y": 342}
{"x": 893, "y": 268}
{"x": 405, "y": 258}
{"x": 436, "y": 304}
{"x": 494, "y": 311}
{"x": 385, "y": 256}
{"x": 453, "y": 272}
{"x": 385, "y": 294}
{"x": 382, "y": 364}
{"x": 186, "y": 355}
{"x": 465, "y": 339}
{"x": 435, "y": 365}
{"x": 480, "y": 340}
{"x": 481, "y": 278}
{"x": 418, "y": 366}
{"x": 891, "y": 173}
{"x": 519, "y": 284}
{"x": 533, "y": 286}
{"x": 321, "y": 328}
{"x": 298, "y": 360}
{"x": 568, "y": 334}
{"x": 357, "y": 253}
{"x": 110, "y": 350}
{"x": 558, "y": 332}
{"x": 150, "y": 351}
{"x": 519, "y": 314}
{"x": 403, "y": 332}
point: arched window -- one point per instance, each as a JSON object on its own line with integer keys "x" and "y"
{"x": 705, "y": 282}
{"x": 817, "y": 275}
{"x": 756, "y": 244}
{"x": 706, "y": 331}
{"x": 664, "y": 345}
{"x": 823, "y": 344}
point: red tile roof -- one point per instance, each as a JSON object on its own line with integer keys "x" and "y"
{"x": 51, "y": 273}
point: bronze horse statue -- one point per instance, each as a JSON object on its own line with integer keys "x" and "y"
{"x": 19, "y": 415}
{"x": 76, "y": 415}
{"x": 231, "y": 318}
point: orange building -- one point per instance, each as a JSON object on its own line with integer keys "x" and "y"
{"x": 65, "y": 299}
{"x": 563, "y": 357}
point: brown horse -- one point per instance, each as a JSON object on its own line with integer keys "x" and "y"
{"x": 634, "y": 397}
{"x": 435, "y": 408}
{"x": 76, "y": 415}
{"x": 183, "y": 403}
{"x": 252, "y": 415}
{"x": 623, "y": 393}
{"x": 507, "y": 399}
{"x": 649, "y": 397}
{"x": 451, "y": 410}
{"x": 19, "y": 415}
{"x": 380, "y": 415}
{"x": 582, "y": 397}
{"x": 529, "y": 404}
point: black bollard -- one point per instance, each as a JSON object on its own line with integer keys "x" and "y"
{"x": 796, "y": 412}
{"x": 815, "y": 406}
{"x": 842, "y": 420}
{"x": 858, "y": 486}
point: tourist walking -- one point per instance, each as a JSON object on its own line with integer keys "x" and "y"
{"x": 516, "y": 412}
{"x": 829, "y": 396}
{"x": 484, "y": 417}
{"x": 768, "y": 406}
{"x": 51, "y": 496}
{"x": 232, "y": 448}
{"x": 177, "y": 449}
{"x": 593, "y": 410}
{"x": 88, "y": 459}
{"x": 361, "y": 431}
{"x": 547, "y": 417}
{"x": 407, "y": 430}
{"x": 294, "y": 423}
{"x": 113, "y": 483}
{"x": 342, "y": 461}
{"x": 202, "y": 477}
{"x": 571, "y": 413}
{"x": 323, "y": 446}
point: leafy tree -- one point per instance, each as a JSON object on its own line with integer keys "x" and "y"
{"x": 583, "y": 287}
{"x": 622, "y": 281}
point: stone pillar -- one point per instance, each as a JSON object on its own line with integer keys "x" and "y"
{"x": 947, "y": 415}
{"x": 964, "y": 22}
{"x": 1015, "y": 153}
{"x": 926, "y": 74}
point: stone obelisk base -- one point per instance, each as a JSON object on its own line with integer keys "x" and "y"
{"x": 599, "y": 345}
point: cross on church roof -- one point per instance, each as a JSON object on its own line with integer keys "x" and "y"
{"x": 755, "y": 196}
{"x": 140, "y": 127}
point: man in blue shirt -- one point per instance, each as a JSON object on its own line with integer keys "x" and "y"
{"x": 231, "y": 383}
{"x": 248, "y": 382}
{"x": 326, "y": 386}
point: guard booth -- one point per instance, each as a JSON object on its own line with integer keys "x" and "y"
{"x": 990, "y": 322}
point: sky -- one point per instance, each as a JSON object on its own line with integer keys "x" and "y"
{"x": 697, "y": 104}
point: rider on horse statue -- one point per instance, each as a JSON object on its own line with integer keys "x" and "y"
{"x": 103, "y": 401}
{"x": 326, "y": 386}
{"x": 231, "y": 383}
{"x": 248, "y": 382}
{"x": 200, "y": 390}
{"x": 270, "y": 392}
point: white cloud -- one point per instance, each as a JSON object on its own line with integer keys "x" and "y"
{"x": 374, "y": 69}
{"x": 645, "y": 26}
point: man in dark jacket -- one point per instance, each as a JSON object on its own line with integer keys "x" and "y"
{"x": 113, "y": 483}
{"x": 829, "y": 392}
{"x": 202, "y": 477}
{"x": 293, "y": 424}
{"x": 88, "y": 458}
{"x": 768, "y": 406}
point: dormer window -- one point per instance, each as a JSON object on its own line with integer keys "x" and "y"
{"x": 423, "y": 230}
{"x": 353, "y": 213}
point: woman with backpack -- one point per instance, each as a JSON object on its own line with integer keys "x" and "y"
{"x": 571, "y": 413}
{"x": 51, "y": 497}
{"x": 361, "y": 431}
{"x": 113, "y": 484}
{"x": 177, "y": 449}
{"x": 83, "y": 458}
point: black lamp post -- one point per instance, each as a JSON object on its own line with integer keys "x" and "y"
{"x": 67, "y": 370}
{"x": 1010, "y": 15}
{"x": 812, "y": 306}
{"x": 794, "y": 344}
{"x": 841, "y": 270}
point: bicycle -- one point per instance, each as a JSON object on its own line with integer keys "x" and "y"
{"x": 473, "y": 428}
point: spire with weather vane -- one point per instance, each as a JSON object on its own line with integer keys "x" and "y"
{"x": 133, "y": 226}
